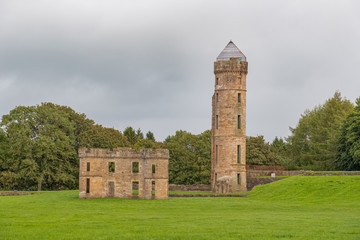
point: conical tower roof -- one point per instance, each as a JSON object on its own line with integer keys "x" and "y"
{"x": 230, "y": 51}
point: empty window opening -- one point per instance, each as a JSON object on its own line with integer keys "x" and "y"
{"x": 217, "y": 97}
{"x": 135, "y": 188}
{"x": 217, "y": 121}
{"x": 153, "y": 168}
{"x": 111, "y": 167}
{"x": 215, "y": 177}
{"x": 135, "y": 167}
{"x": 238, "y": 153}
{"x": 239, "y": 97}
{"x": 239, "y": 121}
{"x": 88, "y": 185}
{"x": 111, "y": 189}
{"x": 153, "y": 188}
{"x": 238, "y": 178}
{"x": 216, "y": 153}
{"x": 217, "y": 81}
{"x": 88, "y": 166}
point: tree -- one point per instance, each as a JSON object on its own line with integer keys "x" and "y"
{"x": 258, "y": 152}
{"x": 314, "y": 140}
{"x": 190, "y": 160}
{"x": 4, "y": 148}
{"x": 139, "y": 134}
{"x": 98, "y": 136}
{"x": 42, "y": 144}
{"x": 39, "y": 146}
{"x": 280, "y": 148}
{"x": 150, "y": 136}
{"x": 130, "y": 133}
{"x": 348, "y": 155}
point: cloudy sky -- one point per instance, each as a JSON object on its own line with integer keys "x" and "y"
{"x": 149, "y": 64}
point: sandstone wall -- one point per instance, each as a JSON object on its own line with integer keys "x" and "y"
{"x": 229, "y": 127}
{"x": 110, "y": 173}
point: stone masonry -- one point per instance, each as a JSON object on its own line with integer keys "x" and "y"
{"x": 228, "y": 142}
{"x": 123, "y": 173}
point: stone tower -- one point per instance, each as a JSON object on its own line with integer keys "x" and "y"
{"x": 228, "y": 141}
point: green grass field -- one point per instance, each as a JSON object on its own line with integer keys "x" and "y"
{"x": 321, "y": 207}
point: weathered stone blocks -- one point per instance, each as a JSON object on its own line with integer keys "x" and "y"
{"x": 228, "y": 143}
{"x": 106, "y": 173}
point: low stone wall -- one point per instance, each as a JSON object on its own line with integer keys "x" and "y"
{"x": 252, "y": 182}
{"x": 195, "y": 188}
{"x": 256, "y": 173}
{"x": 262, "y": 167}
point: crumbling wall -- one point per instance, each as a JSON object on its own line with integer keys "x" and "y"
{"x": 106, "y": 173}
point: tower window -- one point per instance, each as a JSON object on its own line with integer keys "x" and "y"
{"x": 153, "y": 168}
{"x": 239, "y": 121}
{"x": 217, "y": 81}
{"x": 135, "y": 188}
{"x": 238, "y": 178}
{"x": 111, "y": 167}
{"x": 238, "y": 153}
{"x": 216, "y": 153}
{"x": 239, "y": 97}
{"x": 88, "y": 166}
{"x": 215, "y": 176}
{"x": 217, "y": 122}
{"x": 135, "y": 167}
{"x": 153, "y": 188}
{"x": 88, "y": 185}
{"x": 217, "y": 97}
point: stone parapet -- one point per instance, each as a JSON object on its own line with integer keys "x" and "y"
{"x": 231, "y": 66}
{"x": 124, "y": 153}
{"x": 123, "y": 173}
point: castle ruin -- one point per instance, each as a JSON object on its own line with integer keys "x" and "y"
{"x": 228, "y": 141}
{"x": 123, "y": 173}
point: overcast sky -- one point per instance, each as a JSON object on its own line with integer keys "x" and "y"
{"x": 149, "y": 64}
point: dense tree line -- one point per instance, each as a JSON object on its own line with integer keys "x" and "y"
{"x": 39, "y": 145}
{"x": 325, "y": 138}
{"x": 190, "y": 160}
{"x": 314, "y": 142}
{"x": 348, "y": 154}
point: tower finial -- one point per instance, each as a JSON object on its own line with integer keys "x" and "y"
{"x": 230, "y": 51}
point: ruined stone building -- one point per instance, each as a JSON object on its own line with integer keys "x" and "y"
{"x": 123, "y": 173}
{"x": 228, "y": 141}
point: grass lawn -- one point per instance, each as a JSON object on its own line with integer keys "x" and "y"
{"x": 298, "y": 207}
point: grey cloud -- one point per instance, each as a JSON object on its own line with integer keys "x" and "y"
{"x": 150, "y": 64}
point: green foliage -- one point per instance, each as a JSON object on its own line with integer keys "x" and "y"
{"x": 314, "y": 140}
{"x": 258, "y": 152}
{"x": 38, "y": 146}
{"x": 348, "y": 156}
{"x": 190, "y": 160}
{"x": 42, "y": 149}
{"x": 145, "y": 143}
{"x": 298, "y": 207}
{"x": 136, "y": 140}
{"x": 139, "y": 134}
{"x": 98, "y": 136}
{"x": 131, "y": 135}
{"x": 150, "y": 136}
{"x": 4, "y": 148}
{"x": 281, "y": 149}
